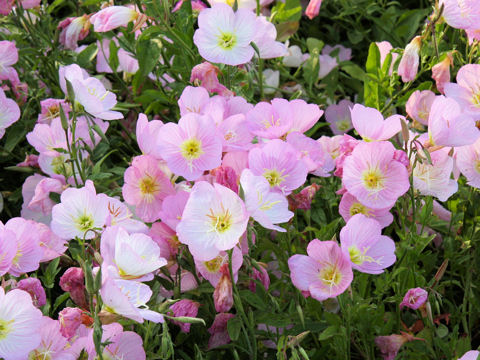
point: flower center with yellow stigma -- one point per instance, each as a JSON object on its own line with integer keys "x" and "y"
{"x": 227, "y": 41}
{"x": 358, "y": 257}
{"x": 268, "y": 123}
{"x": 60, "y": 168}
{"x": 358, "y": 208}
{"x": 476, "y": 99}
{"x": 477, "y": 166}
{"x": 220, "y": 222}
{"x": 5, "y": 327}
{"x": 148, "y": 186}
{"x": 191, "y": 149}
{"x": 373, "y": 179}
{"x": 265, "y": 205}
{"x": 230, "y": 135}
{"x": 92, "y": 91}
{"x": 84, "y": 222}
{"x": 274, "y": 177}
{"x": 214, "y": 265}
{"x": 41, "y": 355}
{"x": 53, "y": 112}
{"x": 343, "y": 125}
{"x": 330, "y": 276}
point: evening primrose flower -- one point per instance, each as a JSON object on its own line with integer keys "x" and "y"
{"x": 326, "y": 271}
{"x": 20, "y": 323}
{"x": 371, "y": 126}
{"x": 414, "y": 298}
{"x": 113, "y": 17}
{"x": 369, "y": 251}
{"x": 9, "y": 112}
{"x": 224, "y": 36}
{"x": 350, "y": 206}
{"x": 339, "y": 117}
{"x": 214, "y": 219}
{"x": 466, "y": 92}
{"x": 468, "y": 162}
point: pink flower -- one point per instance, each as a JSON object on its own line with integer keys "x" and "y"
{"x": 50, "y": 109}
{"x": 6, "y": 6}
{"x": 414, "y": 298}
{"x": 218, "y": 331}
{"x": 9, "y": 110}
{"x": 419, "y": 104}
{"x": 21, "y": 323}
{"x": 467, "y": 89}
{"x": 197, "y": 6}
{"x": 370, "y": 124}
{"x": 270, "y": 121}
{"x": 369, "y": 251}
{"x": 70, "y": 319}
{"x": 223, "y": 295}
{"x": 120, "y": 215}
{"x": 235, "y": 132}
{"x": 264, "y": 39}
{"x": 441, "y": 72}
{"x": 449, "y": 126}
{"x": 79, "y": 212}
{"x": 206, "y": 75}
{"x": 326, "y": 271}
{"x": 73, "y": 282}
{"x": 224, "y": 36}
{"x": 408, "y": 66}
{"x": 261, "y": 276}
{"x": 8, "y": 57}
{"x": 73, "y": 30}
{"x": 468, "y": 162}
{"x": 349, "y": 206}
{"x": 373, "y": 176}
{"x": 275, "y": 161}
{"x": 113, "y": 17}
{"x": 460, "y": 14}
{"x": 343, "y": 53}
{"x": 52, "y": 345}
{"x": 470, "y": 355}
{"x": 147, "y": 132}
{"x": 41, "y": 199}
{"x": 304, "y": 116}
{"x": 191, "y": 146}
{"x": 172, "y": 208}
{"x": 31, "y": 160}
{"x": 28, "y": 253}
{"x": 327, "y": 64}
{"x": 339, "y": 117}
{"x": 226, "y": 176}
{"x": 184, "y": 307}
{"x": 8, "y": 249}
{"x": 193, "y": 100}
{"x": 264, "y": 205}
{"x": 313, "y": 8}
{"x": 390, "y": 345}
{"x": 211, "y": 270}
{"x": 213, "y": 220}
{"x": 34, "y": 287}
{"x": 145, "y": 187}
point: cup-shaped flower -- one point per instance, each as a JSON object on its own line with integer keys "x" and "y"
{"x": 467, "y": 89}
{"x": 224, "y": 36}
{"x": 370, "y": 124}
{"x": 373, "y": 176}
{"x": 9, "y": 112}
{"x": 448, "y": 125}
{"x": 414, "y": 298}
{"x": 20, "y": 323}
{"x": 460, "y": 14}
{"x": 145, "y": 187}
{"x": 53, "y": 344}
{"x": 339, "y": 117}
{"x": 270, "y": 121}
{"x": 362, "y": 241}
{"x": 191, "y": 146}
{"x": 211, "y": 269}
{"x": 8, "y": 249}
{"x": 147, "y": 132}
{"x": 129, "y": 257}
{"x": 79, "y": 211}
{"x": 214, "y": 219}
{"x": 419, "y": 104}
{"x": 277, "y": 162}
{"x": 470, "y": 355}
{"x": 264, "y": 205}
{"x": 326, "y": 271}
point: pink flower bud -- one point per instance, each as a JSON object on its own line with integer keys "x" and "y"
{"x": 259, "y": 275}
{"x": 389, "y": 345}
{"x": 218, "y": 331}
{"x": 414, "y": 298}
{"x": 70, "y": 319}
{"x": 31, "y": 160}
{"x": 73, "y": 282}
{"x": 303, "y": 200}
{"x": 185, "y": 307}
{"x": 113, "y": 17}
{"x": 206, "y": 75}
{"x": 223, "y": 296}
{"x": 408, "y": 66}
{"x": 226, "y": 176}
{"x": 441, "y": 72}
{"x": 313, "y": 8}
{"x": 34, "y": 287}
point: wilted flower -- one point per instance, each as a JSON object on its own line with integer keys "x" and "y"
{"x": 441, "y": 72}
{"x": 218, "y": 331}
{"x": 414, "y": 298}
{"x": 390, "y": 345}
{"x": 184, "y": 307}
{"x": 34, "y": 287}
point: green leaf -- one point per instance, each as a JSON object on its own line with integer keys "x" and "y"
{"x": 234, "y": 326}
{"x": 286, "y": 29}
{"x": 328, "y": 333}
{"x": 60, "y": 300}
{"x": 50, "y": 273}
{"x": 85, "y": 58}
{"x": 313, "y": 43}
{"x": 148, "y": 54}
{"x": 113, "y": 57}
{"x": 371, "y": 87}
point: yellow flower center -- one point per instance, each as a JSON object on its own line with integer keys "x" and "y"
{"x": 355, "y": 255}
{"x": 214, "y": 265}
{"x": 53, "y": 112}
{"x": 191, "y": 149}
{"x": 373, "y": 179}
{"x": 220, "y": 222}
{"x": 358, "y": 208}
{"x": 148, "y": 185}
{"x": 84, "y": 222}
{"x": 476, "y": 99}
{"x": 343, "y": 125}
{"x": 477, "y": 166}
{"x": 330, "y": 276}
{"x": 227, "y": 41}
{"x": 5, "y": 328}
{"x": 273, "y": 177}
{"x": 268, "y": 123}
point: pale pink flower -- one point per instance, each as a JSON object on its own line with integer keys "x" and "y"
{"x": 473, "y": 35}
{"x": 28, "y": 192}
{"x": 53, "y": 345}
{"x": 145, "y": 187}
{"x": 226, "y": 176}
{"x": 304, "y": 116}
{"x": 41, "y": 199}
{"x": 346, "y": 144}
{"x": 172, "y": 208}
{"x": 218, "y": 331}
{"x": 264, "y": 205}
{"x": 408, "y": 66}
{"x": 211, "y": 270}
{"x": 8, "y": 249}
{"x": 449, "y": 126}
{"x": 390, "y": 345}
{"x": 8, "y": 57}
{"x": 371, "y": 126}
{"x": 46, "y": 138}
{"x": 349, "y": 206}
{"x": 470, "y": 355}
{"x": 369, "y": 251}
{"x": 73, "y": 281}
{"x": 242, "y": 4}
{"x": 129, "y": 257}
{"x": 318, "y": 162}
{"x": 468, "y": 162}
{"x": 224, "y": 36}
{"x": 294, "y": 57}
{"x": 126, "y": 62}
{"x": 50, "y": 109}
{"x": 462, "y": 14}
{"x": 34, "y": 287}
{"x": 166, "y": 239}
{"x": 73, "y": 30}
{"x": 331, "y": 145}
{"x": 236, "y": 135}
{"x": 467, "y": 89}
{"x": 270, "y": 121}
{"x": 184, "y": 307}
{"x": 21, "y": 322}
{"x": 113, "y": 17}
{"x": 29, "y": 252}
{"x": 313, "y": 8}
{"x": 326, "y": 271}
{"x": 419, "y": 104}
{"x": 193, "y": 100}
{"x": 70, "y": 320}
{"x": 237, "y": 160}
{"x": 120, "y": 215}
{"x": 343, "y": 53}
{"x": 9, "y": 112}
{"x": 441, "y": 72}
{"x": 206, "y": 75}
{"x": 271, "y": 81}
{"x": 147, "y": 132}
{"x": 435, "y": 179}
{"x": 327, "y": 64}
{"x": 339, "y": 117}
{"x": 191, "y": 146}
{"x": 6, "y": 6}
{"x": 197, "y": 6}
{"x": 275, "y": 161}
{"x": 414, "y": 298}
{"x": 79, "y": 212}
{"x": 213, "y": 220}
{"x": 373, "y": 176}
{"x": 264, "y": 38}
{"x": 31, "y": 160}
